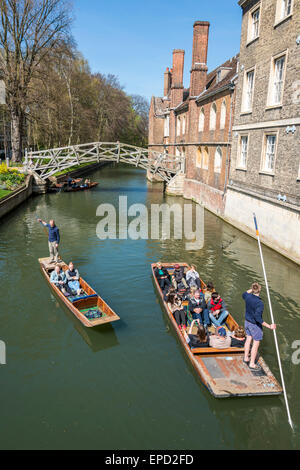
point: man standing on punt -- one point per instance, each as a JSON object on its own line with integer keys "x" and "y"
{"x": 254, "y": 324}
{"x": 54, "y": 239}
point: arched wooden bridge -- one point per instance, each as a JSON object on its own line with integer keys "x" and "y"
{"x": 46, "y": 163}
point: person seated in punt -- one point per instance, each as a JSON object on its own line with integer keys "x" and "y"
{"x": 73, "y": 277}
{"x": 217, "y": 310}
{"x": 220, "y": 340}
{"x": 162, "y": 276}
{"x": 238, "y": 337}
{"x": 87, "y": 183}
{"x": 190, "y": 295}
{"x": 59, "y": 278}
{"x": 178, "y": 277}
{"x": 199, "y": 340}
{"x": 171, "y": 290}
{"x": 177, "y": 309}
{"x": 198, "y": 309}
{"x": 209, "y": 291}
{"x": 193, "y": 278}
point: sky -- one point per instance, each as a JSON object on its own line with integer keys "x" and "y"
{"x": 134, "y": 39}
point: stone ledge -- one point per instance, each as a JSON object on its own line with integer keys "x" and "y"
{"x": 17, "y": 197}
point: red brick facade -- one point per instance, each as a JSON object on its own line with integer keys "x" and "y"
{"x": 200, "y": 120}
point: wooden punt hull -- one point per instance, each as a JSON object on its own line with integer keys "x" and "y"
{"x": 89, "y": 301}
{"x": 79, "y": 188}
{"x": 223, "y": 372}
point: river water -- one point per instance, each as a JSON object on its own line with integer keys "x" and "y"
{"x": 129, "y": 385}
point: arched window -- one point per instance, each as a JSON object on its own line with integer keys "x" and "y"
{"x": 205, "y": 158}
{"x": 199, "y": 157}
{"x": 201, "y": 120}
{"x": 213, "y": 117}
{"x": 218, "y": 160}
{"x": 223, "y": 115}
{"x": 178, "y": 126}
{"x": 183, "y": 125}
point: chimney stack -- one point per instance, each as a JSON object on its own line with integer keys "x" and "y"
{"x": 177, "y": 77}
{"x": 199, "y": 63}
{"x": 167, "y": 82}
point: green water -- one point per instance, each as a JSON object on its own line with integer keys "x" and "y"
{"x": 129, "y": 385}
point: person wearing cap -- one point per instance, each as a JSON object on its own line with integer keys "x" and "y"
{"x": 254, "y": 324}
{"x": 217, "y": 310}
{"x": 179, "y": 277}
{"x": 193, "y": 278}
{"x": 220, "y": 340}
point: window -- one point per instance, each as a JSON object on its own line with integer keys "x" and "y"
{"x": 283, "y": 10}
{"x": 248, "y": 91}
{"x": 277, "y": 77}
{"x": 213, "y": 117}
{"x": 167, "y": 126}
{"x": 183, "y": 125}
{"x": 218, "y": 160}
{"x": 253, "y": 25}
{"x": 178, "y": 126}
{"x": 201, "y": 120}
{"x": 223, "y": 115}
{"x": 269, "y": 151}
{"x": 199, "y": 158}
{"x": 243, "y": 152}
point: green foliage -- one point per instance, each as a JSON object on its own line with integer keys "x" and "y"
{"x": 10, "y": 178}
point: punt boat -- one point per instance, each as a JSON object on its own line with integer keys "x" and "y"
{"x": 90, "y": 309}
{"x": 222, "y": 372}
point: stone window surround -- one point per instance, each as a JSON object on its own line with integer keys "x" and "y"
{"x": 223, "y": 115}
{"x": 213, "y": 109}
{"x": 251, "y": 12}
{"x": 244, "y": 90}
{"x": 219, "y": 153}
{"x": 201, "y": 125}
{"x": 263, "y": 152}
{"x": 269, "y": 104}
{"x": 238, "y": 166}
{"x": 278, "y": 18}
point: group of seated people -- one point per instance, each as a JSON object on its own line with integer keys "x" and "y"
{"x": 68, "y": 282}
{"x": 74, "y": 184}
{"x": 206, "y": 308}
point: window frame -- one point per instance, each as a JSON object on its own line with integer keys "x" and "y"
{"x": 250, "y": 35}
{"x": 271, "y": 87}
{"x": 213, "y": 107}
{"x": 223, "y": 116}
{"x": 245, "y": 110}
{"x": 219, "y": 171}
{"x": 238, "y": 162}
{"x": 263, "y": 170}
{"x": 280, "y": 14}
{"x": 178, "y": 126}
{"x": 202, "y": 113}
{"x": 167, "y": 126}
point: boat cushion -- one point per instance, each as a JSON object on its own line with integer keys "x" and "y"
{"x": 83, "y": 297}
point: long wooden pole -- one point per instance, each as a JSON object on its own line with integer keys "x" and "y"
{"x": 272, "y": 318}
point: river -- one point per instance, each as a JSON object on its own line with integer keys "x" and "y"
{"x": 129, "y": 385}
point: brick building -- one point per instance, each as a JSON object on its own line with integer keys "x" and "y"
{"x": 196, "y": 122}
{"x": 265, "y": 167}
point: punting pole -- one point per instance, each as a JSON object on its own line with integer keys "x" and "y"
{"x": 272, "y": 318}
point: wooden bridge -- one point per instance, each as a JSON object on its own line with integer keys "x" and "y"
{"x": 46, "y": 163}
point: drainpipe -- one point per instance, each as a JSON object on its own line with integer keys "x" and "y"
{"x": 228, "y": 155}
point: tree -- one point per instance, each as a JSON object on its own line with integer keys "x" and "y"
{"x": 29, "y": 31}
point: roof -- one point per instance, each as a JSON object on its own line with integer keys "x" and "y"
{"x": 212, "y": 86}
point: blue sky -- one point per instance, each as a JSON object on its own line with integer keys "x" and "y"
{"x": 134, "y": 39}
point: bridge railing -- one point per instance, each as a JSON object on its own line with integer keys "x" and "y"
{"x": 48, "y": 162}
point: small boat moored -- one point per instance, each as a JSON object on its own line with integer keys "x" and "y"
{"x": 90, "y": 309}
{"x": 222, "y": 371}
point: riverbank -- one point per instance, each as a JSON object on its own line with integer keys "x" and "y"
{"x": 14, "y": 198}
{"x": 10, "y": 200}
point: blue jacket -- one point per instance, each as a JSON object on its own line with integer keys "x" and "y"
{"x": 254, "y": 308}
{"x": 55, "y": 278}
{"x": 53, "y": 234}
